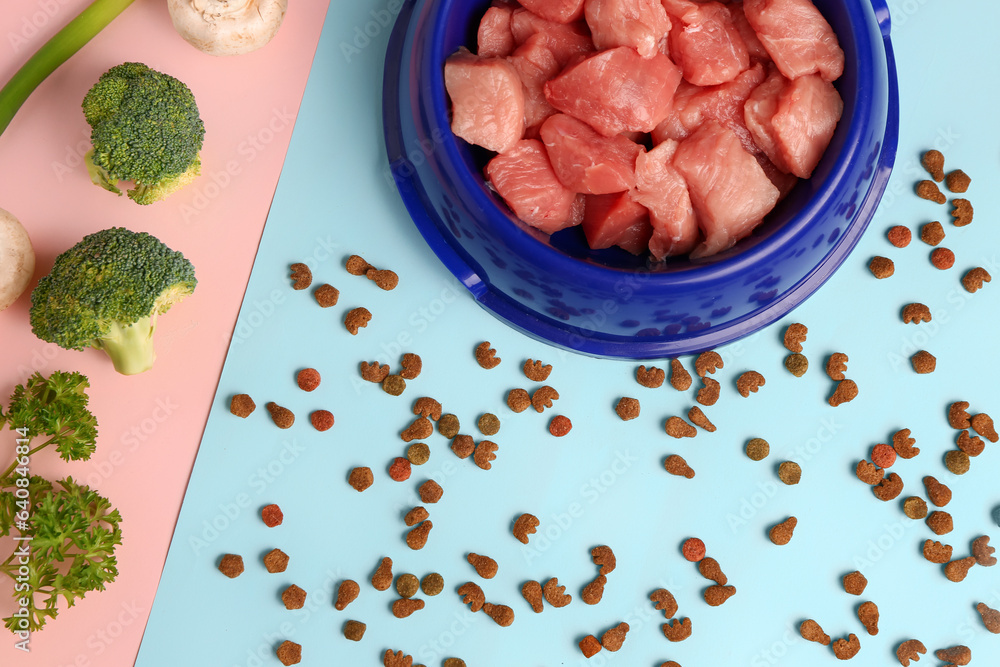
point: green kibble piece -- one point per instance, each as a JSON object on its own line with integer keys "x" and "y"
{"x": 915, "y": 508}
{"x": 957, "y": 461}
{"x": 432, "y": 584}
{"x": 407, "y": 585}
{"x": 418, "y": 453}
{"x": 393, "y": 385}
{"x": 797, "y": 364}
{"x": 758, "y": 449}
{"x": 448, "y": 425}
{"x": 489, "y": 424}
{"x": 789, "y": 472}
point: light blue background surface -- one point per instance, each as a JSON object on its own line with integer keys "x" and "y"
{"x": 604, "y": 482}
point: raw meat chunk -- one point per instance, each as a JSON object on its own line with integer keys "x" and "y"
{"x": 707, "y": 45}
{"x": 616, "y": 90}
{"x": 584, "y": 160}
{"x": 567, "y": 41}
{"x": 808, "y": 111}
{"x": 635, "y": 239}
{"x": 661, "y": 188}
{"x": 487, "y": 100}
{"x": 608, "y": 218}
{"x": 535, "y": 64}
{"x": 798, "y": 38}
{"x": 524, "y": 178}
{"x": 641, "y": 24}
{"x": 559, "y": 11}
{"x": 754, "y": 46}
{"x": 759, "y": 111}
{"x": 494, "y": 38}
{"x": 729, "y": 189}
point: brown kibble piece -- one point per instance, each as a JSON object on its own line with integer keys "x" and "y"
{"x": 536, "y": 371}
{"x": 349, "y": 590}
{"x": 677, "y": 630}
{"x": 472, "y": 595}
{"x": 933, "y": 162}
{"x": 698, "y": 418}
{"x": 790, "y": 472}
{"x": 836, "y": 365}
{"x": 781, "y": 533}
{"x": 845, "y": 649}
{"x": 590, "y": 646}
{"x": 403, "y": 607}
{"x": 396, "y": 659}
{"x": 855, "y": 583}
{"x": 373, "y": 372}
{"x": 709, "y": 393}
{"x": 676, "y": 465}
{"x": 489, "y": 424}
{"x": 384, "y": 278}
{"x": 757, "y": 449}
{"x": 942, "y": 258}
{"x": 923, "y": 362}
{"x": 929, "y": 190}
{"x": 275, "y": 561}
{"x": 846, "y": 391}
{"x": 425, "y": 406}
{"x": 485, "y": 453}
{"x": 932, "y": 233}
{"x": 961, "y": 212}
{"x": 242, "y": 405}
{"x": 957, "y": 181}
{"x": 417, "y": 537}
{"x": 432, "y": 584}
{"x": 990, "y": 616}
{"x": 938, "y": 493}
{"x": 415, "y": 516}
{"x": 356, "y": 265}
{"x": 664, "y": 601}
{"x": 289, "y": 653}
{"x": 797, "y": 364}
{"x": 293, "y": 597}
{"x": 974, "y": 279}
{"x": 909, "y": 650}
{"x": 308, "y": 379}
{"x": 937, "y": 552}
{"x": 525, "y": 525}
{"x": 983, "y": 552}
{"x": 354, "y": 630}
{"x": 710, "y": 569}
{"x": 361, "y": 478}
{"x": 501, "y": 614}
{"x": 326, "y": 295}
{"x": 982, "y": 424}
{"x": 627, "y": 408}
{"x": 420, "y": 429}
{"x": 301, "y": 276}
{"x": 282, "y": 417}
{"x": 957, "y": 570}
{"x": 717, "y": 595}
{"x": 543, "y": 397}
{"x": 678, "y": 428}
{"x": 231, "y": 565}
{"x": 868, "y": 615}
{"x": 357, "y": 318}
{"x": 555, "y": 594}
{"x": 889, "y": 488}
{"x": 651, "y": 377}
{"x": 412, "y": 365}
{"x": 463, "y": 446}
{"x": 899, "y": 236}
{"x": 418, "y": 453}
{"x": 812, "y": 632}
{"x": 795, "y": 335}
{"x": 271, "y": 515}
{"x": 958, "y": 418}
{"x": 486, "y": 356}
{"x": 485, "y": 566}
{"x": 749, "y": 382}
{"x": 915, "y": 508}
{"x": 904, "y": 444}
{"x": 708, "y": 362}
{"x": 594, "y": 591}
{"x": 518, "y": 400}
{"x": 957, "y": 655}
{"x": 430, "y": 492}
{"x": 604, "y": 558}
{"x": 680, "y": 379}
{"x": 382, "y": 579}
{"x": 613, "y": 639}
{"x": 531, "y": 591}
{"x": 869, "y": 473}
{"x": 916, "y": 313}
{"x": 957, "y": 462}
{"x": 881, "y": 267}
{"x": 448, "y": 425}
{"x": 394, "y": 385}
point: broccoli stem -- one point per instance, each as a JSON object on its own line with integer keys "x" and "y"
{"x": 130, "y": 347}
{"x": 54, "y": 53}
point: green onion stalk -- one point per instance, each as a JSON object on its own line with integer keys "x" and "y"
{"x": 55, "y": 52}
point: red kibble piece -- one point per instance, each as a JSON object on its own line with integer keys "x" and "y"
{"x": 560, "y": 425}
{"x": 883, "y": 455}
{"x": 693, "y": 549}
{"x": 942, "y": 258}
{"x": 321, "y": 420}
{"x": 399, "y": 470}
{"x": 308, "y": 379}
{"x": 899, "y": 236}
{"x": 271, "y": 515}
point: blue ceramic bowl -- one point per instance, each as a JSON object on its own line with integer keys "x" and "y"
{"x": 609, "y": 303}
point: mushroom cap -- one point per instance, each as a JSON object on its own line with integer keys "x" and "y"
{"x": 227, "y": 28}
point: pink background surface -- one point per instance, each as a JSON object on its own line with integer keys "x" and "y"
{"x": 149, "y": 425}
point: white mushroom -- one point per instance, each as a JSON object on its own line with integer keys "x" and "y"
{"x": 17, "y": 259}
{"x": 227, "y": 27}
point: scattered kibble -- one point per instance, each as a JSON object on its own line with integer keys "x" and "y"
{"x": 932, "y": 233}
{"x": 708, "y": 362}
{"x": 382, "y": 578}
{"x": 916, "y": 313}
{"x": 531, "y": 591}
{"x": 923, "y": 362}
{"x": 915, "y": 508}
{"x": 940, "y": 522}
{"x": 425, "y": 406}
{"x": 231, "y": 565}
{"x": 971, "y": 445}
{"x": 518, "y": 400}
{"x": 709, "y": 393}
{"x": 321, "y": 420}
{"x": 889, "y": 488}
{"x": 957, "y": 462}
{"x": 982, "y": 424}
{"x": 289, "y": 653}
{"x": 394, "y": 385}
{"x": 525, "y": 525}
{"x": 293, "y": 597}
{"x": 698, "y": 418}
{"x": 242, "y": 405}
{"x": 271, "y": 515}
{"x": 904, "y": 444}
{"x": 590, "y": 646}
{"x": 415, "y": 516}
{"x": 384, "y": 278}
{"x": 399, "y": 469}
{"x": 790, "y": 472}
{"x": 485, "y": 453}
{"x": 942, "y": 258}
{"x": 990, "y": 616}
{"x": 899, "y": 236}
{"x": 357, "y": 318}
{"x": 836, "y": 366}
{"x": 604, "y": 559}
{"x": 419, "y": 429}
{"x": 749, "y": 382}
{"x": 938, "y": 493}
{"x": 651, "y": 377}
{"x": 958, "y": 416}
{"x": 881, "y": 267}
{"x": 757, "y": 449}
{"x": 627, "y": 408}
{"x": 868, "y": 615}
{"x": 933, "y": 162}
{"x": 536, "y": 371}
{"x": 613, "y": 639}
{"x": 397, "y": 659}
{"x": 664, "y": 601}
{"x": 404, "y": 607}
{"x": 957, "y": 570}
{"x": 961, "y": 212}
{"x": 717, "y": 595}
{"x": 453, "y": 662}
{"x": 795, "y": 335}
{"x": 326, "y": 295}
{"x": 929, "y": 190}
{"x": 680, "y": 379}
{"x": 937, "y": 552}
{"x": 308, "y": 379}
{"x": 869, "y": 473}
{"x": 693, "y": 549}
{"x": 485, "y": 566}
{"x": 275, "y": 561}
{"x": 855, "y": 583}
{"x": 555, "y": 594}
{"x": 593, "y": 592}
{"x": 356, "y": 265}
{"x": 418, "y": 453}
{"x": 781, "y": 533}
{"x": 812, "y": 632}
{"x": 709, "y": 568}
{"x": 677, "y": 630}
{"x": 846, "y": 391}
{"x": 354, "y": 630}
{"x": 489, "y": 424}
{"x": 432, "y": 584}
{"x": 349, "y": 590}
{"x": 430, "y": 492}
{"x": 543, "y": 397}
{"x": 416, "y": 539}
{"x": 412, "y": 365}
{"x": 407, "y": 585}
{"x": 883, "y": 455}
{"x": 486, "y": 356}
{"x": 463, "y": 446}
{"x": 797, "y": 364}
{"x": 373, "y": 372}
{"x": 501, "y": 614}
{"x": 361, "y": 478}
{"x": 301, "y": 276}
{"x": 957, "y": 655}
{"x": 973, "y": 280}
{"x": 448, "y": 425}
{"x": 282, "y": 417}
{"x": 845, "y": 649}
{"x": 676, "y": 465}
{"x": 983, "y": 552}
{"x": 678, "y": 428}
{"x": 909, "y": 650}
{"x": 957, "y": 181}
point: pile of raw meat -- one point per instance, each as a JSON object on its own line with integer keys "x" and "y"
{"x": 670, "y": 127}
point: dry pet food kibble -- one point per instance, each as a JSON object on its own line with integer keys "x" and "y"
{"x": 709, "y": 568}
{"x": 651, "y": 377}
{"x": 394, "y": 385}
{"x": 289, "y": 653}
{"x": 795, "y": 335}
{"x": 231, "y": 565}
{"x": 717, "y": 595}
{"x": 983, "y": 552}
{"x": 357, "y": 318}
{"x": 399, "y": 469}
{"x": 555, "y": 594}
{"x": 326, "y": 295}
{"x": 293, "y": 597}
{"x": 525, "y": 525}
{"x": 757, "y": 449}
{"x": 425, "y": 406}
{"x": 361, "y": 478}
{"x": 932, "y": 233}
{"x": 836, "y": 365}
{"x": 974, "y": 279}
{"x": 929, "y": 190}
{"x": 749, "y": 383}
{"x": 845, "y": 649}
{"x": 604, "y": 558}
{"x": 698, "y": 418}
{"x": 472, "y": 595}
{"x": 590, "y": 646}
{"x": 301, "y": 276}
{"x": 373, "y": 372}
{"x": 271, "y": 515}
{"x": 242, "y": 405}
{"x": 664, "y": 601}
{"x": 957, "y": 462}
{"x": 613, "y": 639}
{"x": 404, "y": 607}
{"x": 518, "y": 400}
{"x": 485, "y": 566}
{"x": 397, "y": 659}
{"x": 868, "y": 473}
{"x": 485, "y": 453}
{"x": 709, "y": 393}
{"x": 448, "y": 425}
{"x": 486, "y": 356}
{"x": 883, "y": 455}
{"x": 382, "y": 578}
{"x": 899, "y": 236}
{"x": 938, "y": 493}
{"x": 958, "y": 417}
{"x": 982, "y": 424}
{"x": 936, "y": 552}
{"x": 356, "y": 265}
{"x": 536, "y": 371}
{"x": 354, "y": 630}
{"x": 676, "y": 465}
{"x": 933, "y": 162}
{"x": 855, "y": 583}
{"x": 627, "y": 408}
{"x": 418, "y": 453}
{"x": 349, "y": 590}
{"x": 915, "y": 508}
{"x": 990, "y": 616}
{"x": 430, "y": 492}
{"x": 961, "y": 212}
{"x": 282, "y": 417}
{"x": 531, "y": 591}
{"x": 781, "y": 533}
{"x": 543, "y": 397}
{"x": 560, "y": 426}
{"x": 593, "y": 592}
{"x": 693, "y": 549}
{"x": 904, "y": 444}
{"x": 308, "y": 379}
{"x": 881, "y": 267}
{"x": 489, "y": 424}
{"x": 889, "y": 488}
{"x": 956, "y": 655}
{"x": 909, "y": 650}
{"x": 501, "y": 614}
{"x": 790, "y": 472}
{"x": 678, "y": 428}
{"x": 417, "y": 537}
{"x": 942, "y": 258}
{"x": 957, "y": 570}
{"x": 432, "y": 584}
{"x": 415, "y": 516}
{"x": 846, "y": 391}
{"x": 868, "y": 615}
{"x": 419, "y": 429}
{"x": 957, "y": 181}
{"x": 677, "y": 630}
{"x": 812, "y": 632}
{"x": 463, "y": 446}
{"x": 275, "y": 561}
{"x": 680, "y": 379}
{"x": 923, "y": 362}
{"x": 384, "y": 278}
{"x": 321, "y": 420}
{"x": 797, "y": 364}
{"x": 412, "y": 365}
{"x": 916, "y": 313}
{"x": 708, "y": 362}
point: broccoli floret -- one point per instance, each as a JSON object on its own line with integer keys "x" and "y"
{"x": 107, "y": 292}
{"x": 145, "y": 128}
